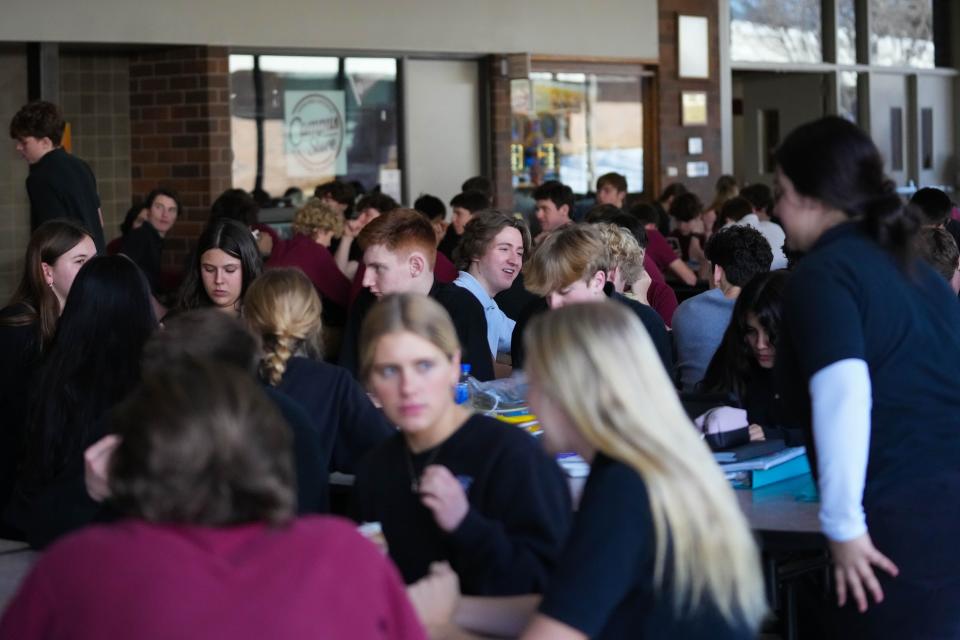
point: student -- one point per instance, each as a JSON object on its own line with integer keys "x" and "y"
{"x": 736, "y": 254}
{"x": 134, "y": 217}
{"x": 554, "y": 206}
{"x": 144, "y": 245}
{"x": 489, "y": 257}
{"x": 661, "y": 258}
{"x": 59, "y": 184}
{"x": 724, "y": 189}
{"x": 399, "y": 256}
{"x": 337, "y": 195}
{"x": 686, "y": 210}
{"x": 939, "y": 250}
{"x": 612, "y": 189}
{"x": 742, "y": 367}
{"x": 315, "y": 225}
{"x": 935, "y": 208}
{"x": 742, "y": 212}
{"x": 662, "y": 205}
{"x": 224, "y": 264}
{"x": 93, "y": 361}
{"x": 283, "y": 309}
{"x": 369, "y": 207}
{"x": 870, "y": 358}
{"x": 211, "y": 547}
{"x": 659, "y": 547}
{"x": 463, "y": 206}
{"x": 650, "y": 289}
{"x": 56, "y": 252}
{"x": 481, "y": 184}
{"x": 208, "y": 335}
{"x": 435, "y": 211}
{"x": 571, "y": 265}
{"x": 450, "y": 485}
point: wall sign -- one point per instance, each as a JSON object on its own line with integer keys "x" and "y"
{"x": 694, "y": 47}
{"x": 693, "y": 108}
{"x": 314, "y": 127}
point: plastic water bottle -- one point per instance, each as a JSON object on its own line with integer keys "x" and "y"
{"x": 462, "y": 393}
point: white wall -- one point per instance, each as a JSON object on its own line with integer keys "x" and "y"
{"x": 442, "y": 120}
{"x": 621, "y": 28}
{"x": 798, "y": 97}
{"x": 937, "y": 93}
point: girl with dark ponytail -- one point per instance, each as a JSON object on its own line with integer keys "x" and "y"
{"x": 868, "y": 358}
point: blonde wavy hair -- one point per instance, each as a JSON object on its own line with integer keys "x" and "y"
{"x": 283, "y": 308}
{"x": 314, "y": 215}
{"x": 624, "y": 250}
{"x": 598, "y": 365}
{"x": 412, "y": 312}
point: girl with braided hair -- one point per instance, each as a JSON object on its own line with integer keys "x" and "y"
{"x": 283, "y": 308}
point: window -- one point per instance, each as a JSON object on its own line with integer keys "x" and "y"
{"x": 769, "y": 138}
{"x": 575, "y": 127}
{"x": 299, "y": 121}
{"x": 901, "y": 33}
{"x": 926, "y": 138}
{"x": 775, "y": 31}
{"x": 846, "y": 32}
{"x": 849, "y": 98}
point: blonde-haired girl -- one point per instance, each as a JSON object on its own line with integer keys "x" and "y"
{"x": 283, "y": 308}
{"x": 659, "y": 547}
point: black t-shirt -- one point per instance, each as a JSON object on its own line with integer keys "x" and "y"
{"x": 61, "y": 185}
{"x": 144, "y": 245}
{"x": 344, "y": 420}
{"x": 848, "y": 298}
{"x": 465, "y": 311}
{"x": 519, "y": 513}
{"x": 604, "y": 582}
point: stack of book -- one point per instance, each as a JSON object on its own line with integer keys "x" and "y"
{"x": 748, "y": 471}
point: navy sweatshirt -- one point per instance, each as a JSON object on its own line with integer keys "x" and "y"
{"x": 519, "y": 515}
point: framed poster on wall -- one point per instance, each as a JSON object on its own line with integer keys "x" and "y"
{"x": 693, "y": 42}
{"x": 693, "y": 108}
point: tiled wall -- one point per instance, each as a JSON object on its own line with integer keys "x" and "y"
{"x": 95, "y": 98}
{"x": 14, "y": 206}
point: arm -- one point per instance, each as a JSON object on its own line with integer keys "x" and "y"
{"x": 682, "y": 271}
{"x": 841, "y": 397}
{"x": 347, "y": 267}
{"x": 361, "y": 426}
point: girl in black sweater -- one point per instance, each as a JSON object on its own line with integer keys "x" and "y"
{"x": 452, "y": 486}
{"x": 742, "y": 367}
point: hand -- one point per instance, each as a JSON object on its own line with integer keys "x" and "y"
{"x": 96, "y": 466}
{"x": 435, "y": 596}
{"x": 852, "y": 570}
{"x": 352, "y": 228}
{"x": 756, "y": 433}
{"x": 444, "y": 496}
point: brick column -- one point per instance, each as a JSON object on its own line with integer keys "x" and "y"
{"x": 180, "y": 134}
{"x": 500, "y": 134}
{"x": 673, "y": 136}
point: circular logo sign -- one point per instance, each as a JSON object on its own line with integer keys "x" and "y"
{"x": 315, "y": 132}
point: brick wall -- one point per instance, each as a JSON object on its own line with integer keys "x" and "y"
{"x": 180, "y": 134}
{"x": 673, "y": 136}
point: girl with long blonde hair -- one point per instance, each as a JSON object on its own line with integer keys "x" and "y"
{"x": 282, "y": 307}
{"x": 659, "y": 547}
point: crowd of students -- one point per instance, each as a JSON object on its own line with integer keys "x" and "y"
{"x": 186, "y": 435}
